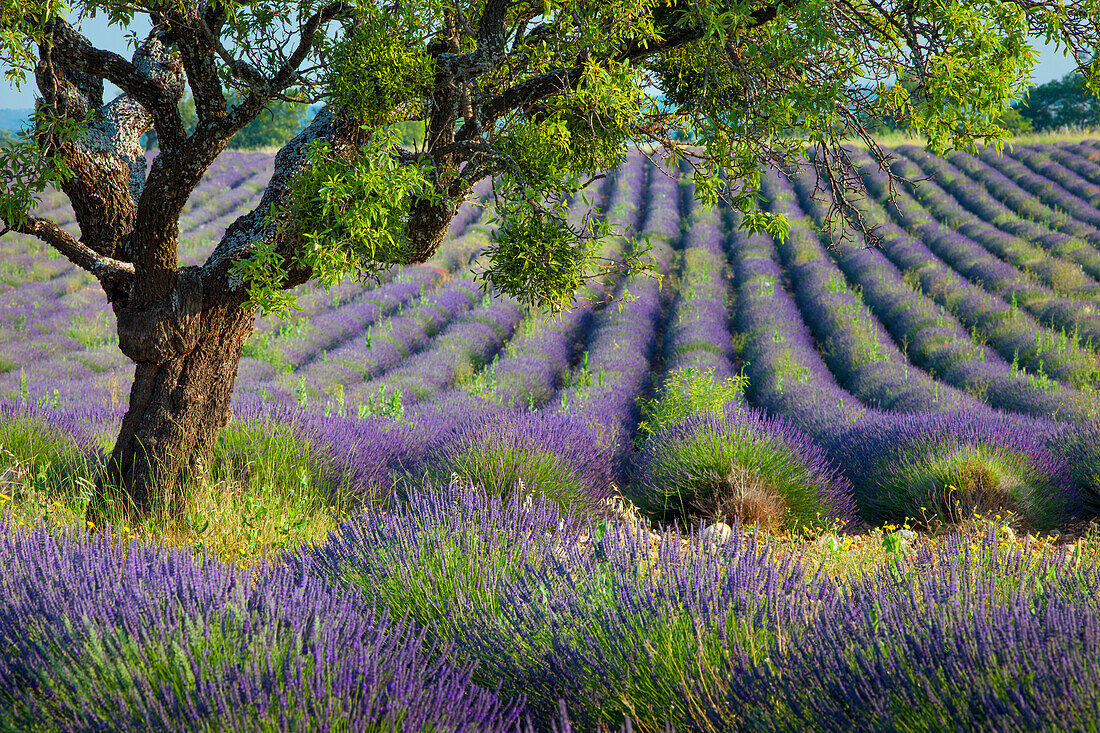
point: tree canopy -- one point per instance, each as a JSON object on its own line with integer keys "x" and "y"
{"x": 1009, "y": 119}
{"x": 542, "y": 96}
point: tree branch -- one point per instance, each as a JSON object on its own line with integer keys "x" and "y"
{"x": 198, "y": 44}
{"x": 113, "y": 273}
{"x": 564, "y": 79}
{"x": 152, "y": 79}
{"x": 268, "y": 223}
{"x": 264, "y": 90}
{"x": 490, "y": 49}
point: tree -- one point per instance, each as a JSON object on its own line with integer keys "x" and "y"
{"x": 1060, "y": 103}
{"x": 274, "y": 127}
{"x": 541, "y": 95}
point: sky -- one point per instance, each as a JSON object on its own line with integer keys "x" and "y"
{"x": 1051, "y": 65}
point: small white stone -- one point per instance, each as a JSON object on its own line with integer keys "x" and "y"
{"x": 718, "y": 532}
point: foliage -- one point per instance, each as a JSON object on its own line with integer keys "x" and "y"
{"x": 272, "y": 128}
{"x": 410, "y": 134}
{"x": 534, "y": 256}
{"x": 349, "y": 218}
{"x": 544, "y": 99}
{"x": 688, "y": 392}
{"x": 376, "y": 77}
{"x": 26, "y": 172}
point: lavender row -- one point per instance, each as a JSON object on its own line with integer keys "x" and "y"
{"x": 1014, "y": 333}
{"x": 457, "y": 354}
{"x": 859, "y": 351}
{"x": 934, "y": 340}
{"x": 378, "y": 344}
{"x": 1083, "y": 161}
{"x": 53, "y": 337}
{"x": 1033, "y": 220}
{"x": 210, "y": 205}
{"x": 747, "y": 637}
{"x": 1082, "y": 218}
{"x": 1018, "y": 213}
{"x": 811, "y": 649}
{"x": 84, "y": 627}
{"x": 995, "y": 231}
{"x": 545, "y": 350}
{"x": 970, "y": 249}
{"x": 73, "y": 345}
{"x": 344, "y": 331}
{"x": 457, "y": 357}
{"x": 624, "y": 341}
{"x": 787, "y": 375}
{"x": 1050, "y": 162}
{"x": 698, "y": 336}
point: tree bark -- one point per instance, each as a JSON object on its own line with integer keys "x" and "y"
{"x": 187, "y": 350}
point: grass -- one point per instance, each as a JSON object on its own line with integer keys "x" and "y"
{"x": 263, "y": 494}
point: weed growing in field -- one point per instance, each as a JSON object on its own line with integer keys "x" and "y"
{"x": 382, "y": 405}
{"x": 688, "y": 392}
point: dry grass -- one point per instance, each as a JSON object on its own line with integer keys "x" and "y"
{"x": 1063, "y": 136}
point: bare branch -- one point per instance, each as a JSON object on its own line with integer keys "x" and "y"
{"x": 113, "y": 273}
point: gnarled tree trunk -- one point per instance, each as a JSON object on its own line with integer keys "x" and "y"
{"x": 187, "y": 352}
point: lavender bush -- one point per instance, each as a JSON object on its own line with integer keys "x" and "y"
{"x": 943, "y": 468}
{"x": 554, "y": 456}
{"x": 97, "y": 637}
{"x": 738, "y": 466}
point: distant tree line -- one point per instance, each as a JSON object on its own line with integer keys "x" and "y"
{"x": 1061, "y": 103}
{"x": 1058, "y": 104}
{"x": 276, "y": 125}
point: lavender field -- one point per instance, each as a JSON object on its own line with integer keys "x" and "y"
{"x": 782, "y": 486}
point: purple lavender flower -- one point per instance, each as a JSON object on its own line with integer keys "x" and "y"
{"x": 554, "y": 456}
{"x": 128, "y": 638}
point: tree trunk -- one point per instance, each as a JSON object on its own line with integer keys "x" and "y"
{"x": 187, "y": 355}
